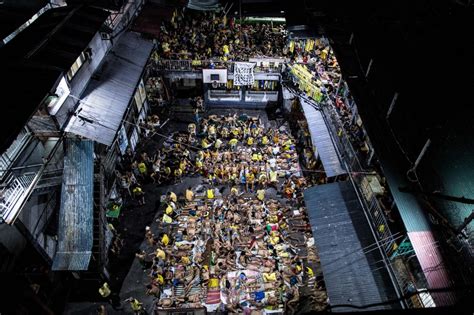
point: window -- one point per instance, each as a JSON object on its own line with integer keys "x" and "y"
{"x": 54, "y": 102}
{"x": 138, "y": 100}
{"x": 141, "y": 88}
{"x": 85, "y": 55}
{"x": 140, "y": 95}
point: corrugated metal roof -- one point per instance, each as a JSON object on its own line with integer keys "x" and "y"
{"x": 421, "y": 236}
{"x": 107, "y": 97}
{"x": 322, "y": 140}
{"x": 28, "y": 78}
{"x": 351, "y": 265}
{"x": 76, "y": 212}
{"x": 412, "y": 215}
{"x": 427, "y": 252}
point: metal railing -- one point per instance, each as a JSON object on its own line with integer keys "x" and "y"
{"x": 196, "y": 65}
{"x": 13, "y": 192}
{"x": 351, "y": 157}
{"x": 403, "y": 278}
{"x": 9, "y": 156}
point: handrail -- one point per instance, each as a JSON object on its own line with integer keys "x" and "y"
{"x": 195, "y": 65}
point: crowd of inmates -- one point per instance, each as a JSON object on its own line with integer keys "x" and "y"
{"x": 240, "y": 241}
{"x": 194, "y": 35}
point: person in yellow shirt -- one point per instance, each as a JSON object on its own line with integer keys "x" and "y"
{"x": 142, "y": 168}
{"x": 225, "y": 50}
{"x": 172, "y": 196}
{"x": 185, "y": 260}
{"x": 233, "y": 143}
{"x": 159, "y": 253}
{"x": 269, "y": 277}
{"x": 250, "y": 141}
{"x": 218, "y": 144}
{"x": 177, "y": 174}
{"x": 261, "y": 194}
{"x": 205, "y": 143}
{"x": 210, "y": 193}
{"x": 104, "y": 290}
{"x": 234, "y": 191}
{"x": 189, "y": 194}
{"x": 264, "y": 140}
{"x": 198, "y": 166}
{"x": 136, "y": 306}
{"x": 165, "y": 240}
{"x": 255, "y": 157}
{"x": 169, "y": 210}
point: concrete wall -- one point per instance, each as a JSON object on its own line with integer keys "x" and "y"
{"x": 99, "y": 47}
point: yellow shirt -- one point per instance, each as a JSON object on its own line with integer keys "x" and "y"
{"x": 268, "y": 277}
{"x": 213, "y": 283}
{"x": 261, "y": 194}
{"x": 250, "y": 141}
{"x": 165, "y": 240}
{"x": 189, "y": 195}
{"x": 169, "y": 210}
{"x": 250, "y": 177}
{"x": 233, "y": 141}
{"x": 210, "y": 193}
{"x": 136, "y": 305}
{"x": 225, "y": 49}
{"x": 212, "y": 130}
{"x": 173, "y": 197}
{"x": 160, "y": 279}
{"x": 104, "y": 291}
{"x": 142, "y": 168}
{"x": 160, "y": 254}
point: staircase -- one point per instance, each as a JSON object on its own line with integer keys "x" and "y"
{"x": 13, "y": 194}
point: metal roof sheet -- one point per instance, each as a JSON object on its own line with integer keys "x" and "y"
{"x": 107, "y": 96}
{"x": 352, "y": 266}
{"x": 412, "y": 215}
{"x": 76, "y": 212}
{"x": 321, "y": 140}
{"x": 28, "y": 79}
{"x": 434, "y": 269}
